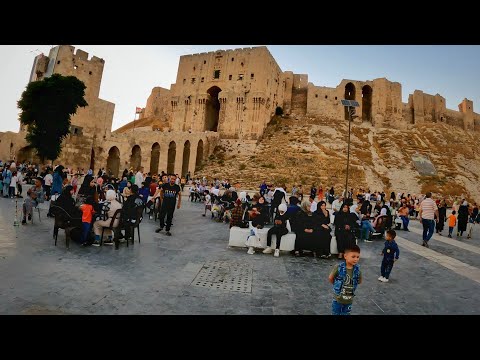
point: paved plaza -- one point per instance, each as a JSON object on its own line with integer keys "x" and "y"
{"x": 195, "y": 272}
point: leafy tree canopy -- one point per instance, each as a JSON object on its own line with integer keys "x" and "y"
{"x": 46, "y": 108}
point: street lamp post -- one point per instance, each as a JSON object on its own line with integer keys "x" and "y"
{"x": 348, "y": 151}
{"x": 351, "y": 105}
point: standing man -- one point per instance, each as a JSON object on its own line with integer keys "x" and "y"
{"x": 168, "y": 196}
{"x": 139, "y": 179}
{"x": 428, "y": 213}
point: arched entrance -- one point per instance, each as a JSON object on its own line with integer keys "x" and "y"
{"x": 212, "y": 109}
{"x": 199, "y": 160}
{"x": 136, "y": 158}
{"x": 172, "y": 152}
{"x": 92, "y": 160}
{"x": 349, "y": 95}
{"x": 367, "y": 103}
{"x": 154, "y": 159}
{"x": 113, "y": 161}
{"x": 186, "y": 158}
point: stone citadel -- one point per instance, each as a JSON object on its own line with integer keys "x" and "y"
{"x": 221, "y": 97}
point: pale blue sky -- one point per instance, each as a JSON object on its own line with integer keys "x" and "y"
{"x": 131, "y": 71}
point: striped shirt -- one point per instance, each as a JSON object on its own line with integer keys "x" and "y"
{"x": 428, "y": 208}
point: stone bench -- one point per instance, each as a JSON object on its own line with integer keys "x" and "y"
{"x": 238, "y": 237}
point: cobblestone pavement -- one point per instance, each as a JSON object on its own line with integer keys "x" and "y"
{"x": 194, "y": 272}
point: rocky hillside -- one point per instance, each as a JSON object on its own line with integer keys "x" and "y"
{"x": 305, "y": 150}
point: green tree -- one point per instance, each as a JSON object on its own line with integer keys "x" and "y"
{"x": 46, "y": 107}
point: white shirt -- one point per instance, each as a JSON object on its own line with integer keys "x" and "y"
{"x": 269, "y": 196}
{"x": 208, "y": 200}
{"x": 367, "y": 196}
{"x": 336, "y": 205}
{"x": 313, "y": 207}
{"x": 139, "y": 179}
{"x": 13, "y": 182}
{"x": 48, "y": 180}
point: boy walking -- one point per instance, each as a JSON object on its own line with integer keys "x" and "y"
{"x": 452, "y": 221}
{"x": 390, "y": 253}
{"x": 345, "y": 277}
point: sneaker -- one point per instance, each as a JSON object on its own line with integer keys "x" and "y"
{"x": 468, "y": 236}
{"x": 203, "y": 215}
{"x": 96, "y": 243}
{"x": 366, "y": 240}
{"x": 268, "y": 250}
{"x": 108, "y": 242}
{"x": 24, "y": 222}
{"x": 250, "y": 251}
{"x": 381, "y": 278}
{"x": 384, "y": 279}
{"x": 376, "y": 234}
{"x": 449, "y": 236}
{"x": 85, "y": 244}
{"x": 426, "y": 244}
{"x": 158, "y": 230}
{"x": 29, "y": 217}
{"x": 168, "y": 233}
{"x": 277, "y": 253}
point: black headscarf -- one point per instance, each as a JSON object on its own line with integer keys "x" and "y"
{"x": 66, "y": 201}
{"x": 85, "y": 189}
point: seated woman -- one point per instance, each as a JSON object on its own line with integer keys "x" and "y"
{"x": 35, "y": 195}
{"x": 88, "y": 188}
{"x": 380, "y": 221}
{"x": 257, "y": 215}
{"x": 129, "y": 212}
{"x": 126, "y": 190}
{"x": 307, "y": 229}
{"x": 110, "y": 206}
{"x": 67, "y": 203}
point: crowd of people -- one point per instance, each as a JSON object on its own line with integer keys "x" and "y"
{"x": 92, "y": 201}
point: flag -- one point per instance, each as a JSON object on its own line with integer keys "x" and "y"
{"x": 138, "y": 110}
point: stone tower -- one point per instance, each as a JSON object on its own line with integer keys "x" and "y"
{"x": 98, "y": 116}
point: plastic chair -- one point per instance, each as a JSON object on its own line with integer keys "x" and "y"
{"x": 62, "y": 221}
{"x": 116, "y": 216}
{"x": 138, "y": 220}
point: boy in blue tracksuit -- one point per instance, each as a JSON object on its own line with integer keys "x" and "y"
{"x": 345, "y": 277}
{"x": 390, "y": 253}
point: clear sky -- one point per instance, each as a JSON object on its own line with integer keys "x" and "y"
{"x": 131, "y": 71}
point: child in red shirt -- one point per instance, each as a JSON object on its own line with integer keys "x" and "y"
{"x": 87, "y": 214}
